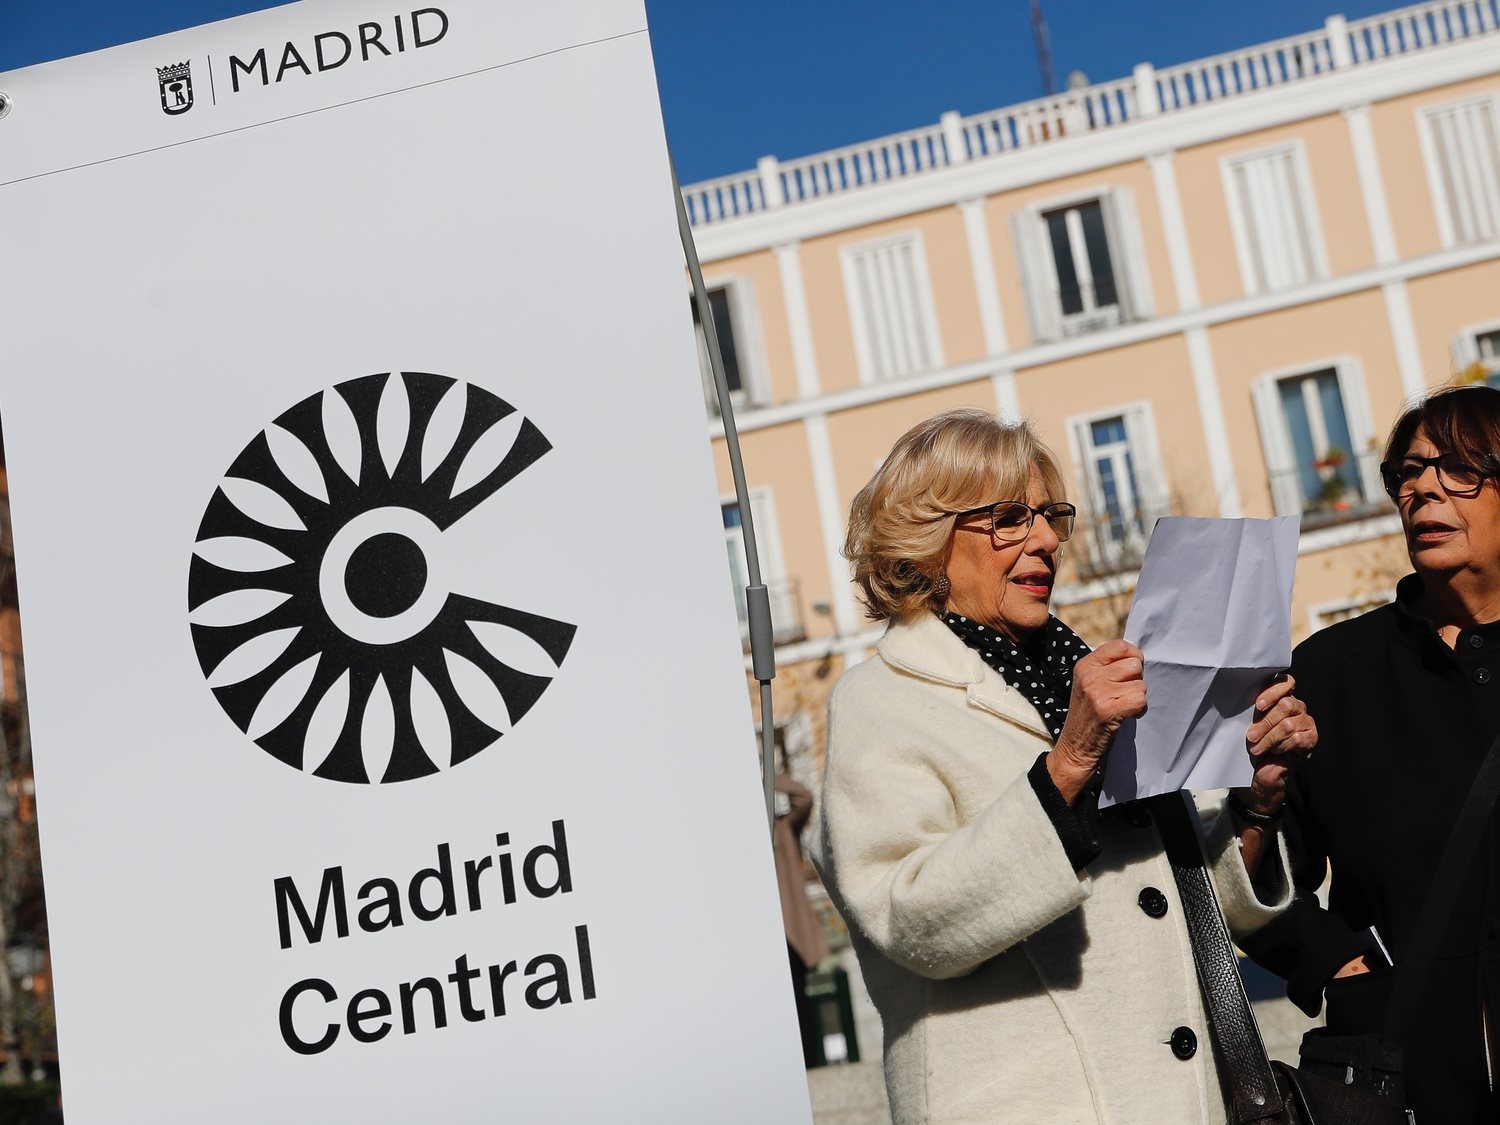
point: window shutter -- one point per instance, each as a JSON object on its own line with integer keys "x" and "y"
{"x": 1088, "y": 475}
{"x": 745, "y": 324}
{"x": 891, "y": 311}
{"x": 705, "y": 368}
{"x": 1361, "y": 426}
{"x": 1096, "y": 547}
{"x": 1272, "y": 220}
{"x": 767, "y": 537}
{"x": 1130, "y": 253}
{"x": 1463, "y": 144}
{"x": 1140, "y": 432}
{"x": 1276, "y": 445}
{"x": 1038, "y": 277}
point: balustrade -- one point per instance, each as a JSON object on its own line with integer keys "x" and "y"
{"x": 954, "y": 140}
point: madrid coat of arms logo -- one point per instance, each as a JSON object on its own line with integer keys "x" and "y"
{"x": 176, "y": 84}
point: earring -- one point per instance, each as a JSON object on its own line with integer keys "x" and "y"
{"x": 940, "y": 588}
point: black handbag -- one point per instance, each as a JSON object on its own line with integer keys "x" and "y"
{"x": 1342, "y": 1079}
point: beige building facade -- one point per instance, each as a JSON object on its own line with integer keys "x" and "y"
{"x": 1210, "y": 288}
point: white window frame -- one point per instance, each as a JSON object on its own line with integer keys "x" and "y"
{"x": 1305, "y": 198}
{"x": 1323, "y": 614}
{"x": 1436, "y": 186}
{"x": 922, "y": 310}
{"x": 1140, "y": 437}
{"x": 1122, "y": 230}
{"x": 1464, "y": 348}
{"x": 749, "y": 344}
{"x": 1276, "y": 438}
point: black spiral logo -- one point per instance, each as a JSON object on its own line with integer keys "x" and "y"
{"x": 318, "y": 607}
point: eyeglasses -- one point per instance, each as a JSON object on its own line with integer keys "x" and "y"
{"x": 1010, "y": 520}
{"x": 1457, "y": 477}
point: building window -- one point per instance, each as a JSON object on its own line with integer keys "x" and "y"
{"x": 1331, "y": 613}
{"x": 1273, "y": 219}
{"x": 891, "y": 309}
{"x": 786, "y": 605}
{"x": 1121, "y": 472}
{"x": 731, "y": 305}
{"x": 1476, "y": 355}
{"x": 1319, "y": 444}
{"x": 1086, "y": 290}
{"x": 1462, "y": 148}
{"x": 1489, "y": 355}
{"x": 1489, "y": 349}
{"x": 1082, "y": 264}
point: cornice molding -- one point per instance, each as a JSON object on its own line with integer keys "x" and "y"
{"x": 1176, "y": 324}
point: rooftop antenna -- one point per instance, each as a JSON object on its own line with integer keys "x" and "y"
{"x": 1043, "y": 48}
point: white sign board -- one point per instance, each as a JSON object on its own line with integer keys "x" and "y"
{"x": 392, "y": 746}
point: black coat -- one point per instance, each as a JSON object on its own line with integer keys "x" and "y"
{"x": 1403, "y": 723}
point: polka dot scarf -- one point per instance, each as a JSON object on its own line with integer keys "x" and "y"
{"x": 1041, "y": 670}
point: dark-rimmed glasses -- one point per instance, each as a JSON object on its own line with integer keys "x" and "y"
{"x": 1010, "y": 520}
{"x": 1456, "y": 476}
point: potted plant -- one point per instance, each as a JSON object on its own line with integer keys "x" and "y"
{"x": 1332, "y": 458}
{"x": 1334, "y": 493}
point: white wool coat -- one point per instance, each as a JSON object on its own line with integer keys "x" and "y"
{"x": 1012, "y": 989}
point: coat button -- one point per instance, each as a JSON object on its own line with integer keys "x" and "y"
{"x": 1476, "y": 641}
{"x": 1153, "y": 902}
{"x": 1481, "y": 675}
{"x": 1184, "y": 1043}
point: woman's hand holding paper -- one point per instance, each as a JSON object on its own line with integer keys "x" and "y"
{"x": 1108, "y": 688}
{"x": 1279, "y": 740}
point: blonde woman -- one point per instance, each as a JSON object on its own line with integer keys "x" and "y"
{"x": 1028, "y": 956}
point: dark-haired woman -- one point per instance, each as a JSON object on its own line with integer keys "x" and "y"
{"x": 1407, "y": 701}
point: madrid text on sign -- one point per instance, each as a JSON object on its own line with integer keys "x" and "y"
{"x": 330, "y": 50}
{"x": 382, "y": 896}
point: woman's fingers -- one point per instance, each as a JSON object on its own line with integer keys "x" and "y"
{"x": 1295, "y": 732}
{"x": 1287, "y": 730}
{"x": 1111, "y": 651}
{"x": 1113, "y": 662}
{"x": 1117, "y": 701}
{"x": 1124, "y": 661}
{"x": 1286, "y": 707}
{"x": 1108, "y": 688}
{"x": 1279, "y": 740}
{"x": 1276, "y": 692}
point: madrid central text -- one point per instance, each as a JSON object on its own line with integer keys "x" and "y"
{"x": 313, "y": 1012}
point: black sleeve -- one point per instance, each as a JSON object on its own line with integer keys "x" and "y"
{"x": 1077, "y": 825}
{"x": 1306, "y": 944}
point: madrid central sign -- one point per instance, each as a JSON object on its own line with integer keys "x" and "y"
{"x": 392, "y": 750}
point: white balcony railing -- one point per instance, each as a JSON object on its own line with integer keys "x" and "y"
{"x": 1241, "y": 72}
{"x": 786, "y": 612}
{"x": 1339, "y": 45}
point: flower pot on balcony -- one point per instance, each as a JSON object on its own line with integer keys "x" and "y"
{"x": 1330, "y": 460}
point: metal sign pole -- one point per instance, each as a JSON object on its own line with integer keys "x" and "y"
{"x": 757, "y": 598}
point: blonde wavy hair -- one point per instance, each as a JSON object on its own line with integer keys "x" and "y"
{"x": 901, "y": 522}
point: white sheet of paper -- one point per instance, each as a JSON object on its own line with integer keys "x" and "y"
{"x": 1212, "y": 614}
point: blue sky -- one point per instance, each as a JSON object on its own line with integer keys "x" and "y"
{"x": 789, "y": 77}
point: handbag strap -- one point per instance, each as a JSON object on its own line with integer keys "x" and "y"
{"x": 1442, "y": 894}
{"x": 1235, "y": 1034}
